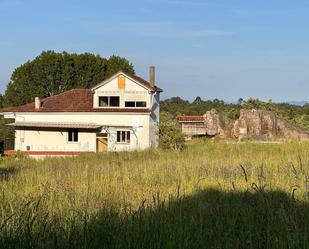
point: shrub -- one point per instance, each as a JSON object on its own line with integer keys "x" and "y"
{"x": 171, "y": 136}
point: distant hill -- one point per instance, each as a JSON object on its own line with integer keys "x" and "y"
{"x": 296, "y": 102}
{"x": 300, "y": 103}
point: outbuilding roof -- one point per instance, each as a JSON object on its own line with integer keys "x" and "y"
{"x": 184, "y": 119}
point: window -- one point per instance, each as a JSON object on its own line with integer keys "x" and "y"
{"x": 129, "y": 104}
{"x": 123, "y": 137}
{"x": 105, "y": 101}
{"x": 73, "y": 135}
{"x": 113, "y": 101}
{"x": 135, "y": 104}
{"x": 140, "y": 103}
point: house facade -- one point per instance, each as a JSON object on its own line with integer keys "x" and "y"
{"x": 120, "y": 113}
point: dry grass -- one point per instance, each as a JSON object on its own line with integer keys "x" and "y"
{"x": 212, "y": 194}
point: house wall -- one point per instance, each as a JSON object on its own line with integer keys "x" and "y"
{"x": 131, "y": 92}
{"x": 154, "y": 121}
{"x": 53, "y": 140}
{"x": 56, "y": 140}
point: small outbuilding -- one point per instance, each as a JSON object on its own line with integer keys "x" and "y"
{"x": 192, "y": 125}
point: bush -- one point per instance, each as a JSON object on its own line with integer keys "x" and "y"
{"x": 171, "y": 136}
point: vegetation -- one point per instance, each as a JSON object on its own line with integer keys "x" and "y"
{"x": 294, "y": 114}
{"x": 170, "y": 133}
{"x": 209, "y": 195}
{"x": 51, "y": 73}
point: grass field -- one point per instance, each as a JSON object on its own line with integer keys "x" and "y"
{"x": 211, "y": 195}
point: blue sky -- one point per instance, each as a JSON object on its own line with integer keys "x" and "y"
{"x": 223, "y": 49}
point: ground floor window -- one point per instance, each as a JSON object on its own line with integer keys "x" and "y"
{"x": 123, "y": 137}
{"x": 73, "y": 135}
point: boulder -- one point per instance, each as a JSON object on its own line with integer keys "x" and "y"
{"x": 216, "y": 124}
{"x": 240, "y": 129}
{"x": 289, "y": 131}
{"x": 261, "y": 124}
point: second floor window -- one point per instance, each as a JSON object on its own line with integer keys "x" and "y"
{"x": 135, "y": 104}
{"x": 107, "y": 101}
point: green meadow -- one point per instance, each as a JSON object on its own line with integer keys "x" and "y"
{"x": 213, "y": 194}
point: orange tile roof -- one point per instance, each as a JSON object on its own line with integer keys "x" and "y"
{"x": 75, "y": 100}
{"x": 144, "y": 82}
{"x": 190, "y": 119}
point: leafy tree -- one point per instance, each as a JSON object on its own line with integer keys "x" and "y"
{"x": 170, "y": 134}
{"x": 51, "y": 73}
{"x": 6, "y": 134}
{"x": 116, "y": 63}
{"x": 198, "y": 100}
{"x": 240, "y": 101}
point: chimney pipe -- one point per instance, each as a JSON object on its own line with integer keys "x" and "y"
{"x": 37, "y": 103}
{"x": 152, "y": 75}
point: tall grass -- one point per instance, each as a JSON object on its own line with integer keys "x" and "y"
{"x": 211, "y": 195}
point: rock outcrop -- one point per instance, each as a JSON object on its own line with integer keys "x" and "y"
{"x": 261, "y": 124}
{"x": 255, "y": 124}
{"x": 217, "y": 124}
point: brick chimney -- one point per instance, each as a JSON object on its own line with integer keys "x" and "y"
{"x": 152, "y": 75}
{"x": 37, "y": 103}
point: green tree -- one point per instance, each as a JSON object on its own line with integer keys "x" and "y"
{"x": 116, "y": 63}
{"x": 51, "y": 73}
{"x": 170, "y": 133}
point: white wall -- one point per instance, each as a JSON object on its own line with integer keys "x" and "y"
{"x": 56, "y": 140}
{"x": 154, "y": 121}
{"x": 53, "y": 140}
{"x": 132, "y": 92}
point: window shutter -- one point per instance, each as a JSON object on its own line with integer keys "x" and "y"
{"x": 121, "y": 82}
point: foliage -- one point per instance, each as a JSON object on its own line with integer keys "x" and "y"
{"x": 177, "y": 106}
{"x": 51, "y": 73}
{"x": 209, "y": 195}
{"x": 296, "y": 115}
{"x": 6, "y": 134}
{"x": 170, "y": 133}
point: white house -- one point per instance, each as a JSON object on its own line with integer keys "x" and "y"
{"x": 120, "y": 113}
